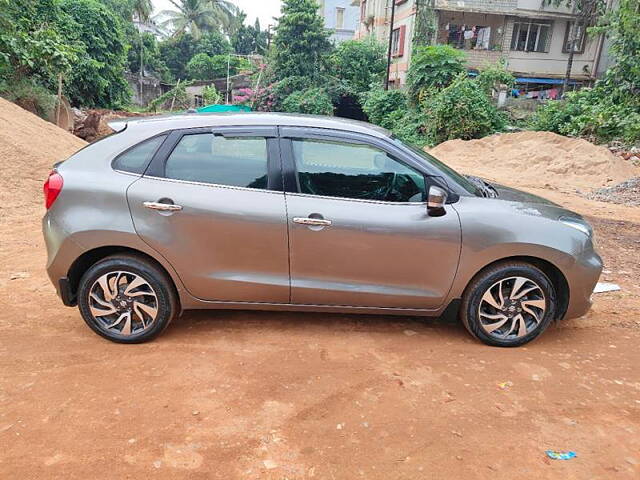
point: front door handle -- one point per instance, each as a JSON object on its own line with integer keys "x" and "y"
{"x": 163, "y": 207}
{"x": 312, "y": 221}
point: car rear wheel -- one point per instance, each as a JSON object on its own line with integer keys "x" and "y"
{"x": 509, "y": 304}
{"x": 126, "y": 299}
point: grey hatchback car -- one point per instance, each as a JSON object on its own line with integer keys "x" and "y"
{"x": 292, "y": 212}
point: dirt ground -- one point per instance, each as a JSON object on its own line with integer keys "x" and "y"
{"x": 257, "y": 395}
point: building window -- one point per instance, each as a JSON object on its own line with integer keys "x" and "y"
{"x": 580, "y": 38}
{"x": 531, "y": 36}
{"x": 363, "y": 10}
{"x": 397, "y": 41}
{"x": 339, "y": 18}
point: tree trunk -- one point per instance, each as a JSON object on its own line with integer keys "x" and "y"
{"x": 567, "y": 75}
{"x": 141, "y": 73}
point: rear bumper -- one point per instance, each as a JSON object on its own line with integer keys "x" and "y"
{"x": 66, "y": 294}
{"x": 582, "y": 279}
{"x": 61, "y": 253}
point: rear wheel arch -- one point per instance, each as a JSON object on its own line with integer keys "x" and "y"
{"x": 91, "y": 257}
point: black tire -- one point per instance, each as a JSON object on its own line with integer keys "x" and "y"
{"x": 486, "y": 280}
{"x": 161, "y": 285}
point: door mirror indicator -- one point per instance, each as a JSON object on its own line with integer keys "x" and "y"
{"x": 436, "y": 200}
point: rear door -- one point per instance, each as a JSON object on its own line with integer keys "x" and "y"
{"x": 212, "y": 204}
{"x": 360, "y": 234}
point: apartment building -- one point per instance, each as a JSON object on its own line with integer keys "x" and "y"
{"x": 341, "y": 18}
{"x": 531, "y": 37}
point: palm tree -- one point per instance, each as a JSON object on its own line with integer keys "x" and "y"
{"x": 195, "y": 16}
{"x": 142, "y": 12}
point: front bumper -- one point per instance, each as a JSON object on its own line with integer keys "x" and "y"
{"x": 582, "y": 280}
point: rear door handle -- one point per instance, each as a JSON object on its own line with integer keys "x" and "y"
{"x": 312, "y": 221}
{"x": 163, "y": 207}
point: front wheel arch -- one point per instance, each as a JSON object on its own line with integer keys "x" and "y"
{"x": 556, "y": 276}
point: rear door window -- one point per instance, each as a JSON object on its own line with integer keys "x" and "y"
{"x": 221, "y": 160}
{"x": 136, "y": 159}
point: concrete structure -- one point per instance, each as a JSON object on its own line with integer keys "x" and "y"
{"x": 341, "y": 17}
{"x": 529, "y": 36}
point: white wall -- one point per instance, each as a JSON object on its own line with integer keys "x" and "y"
{"x": 351, "y": 18}
{"x": 554, "y": 62}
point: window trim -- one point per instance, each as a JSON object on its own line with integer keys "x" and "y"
{"x": 402, "y": 32}
{"x": 157, "y": 167}
{"x": 526, "y": 21}
{"x": 340, "y": 14}
{"x": 583, "y": 39}
{"x": 290, "y": 173}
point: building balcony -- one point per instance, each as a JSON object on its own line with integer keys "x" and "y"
{"x": 482, "y": 58}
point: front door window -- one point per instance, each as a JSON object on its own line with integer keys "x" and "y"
{"x": 357, "y": 171}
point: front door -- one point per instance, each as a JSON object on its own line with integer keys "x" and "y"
{"x": 213, "y": 208}
{"x": 360, "y": 234}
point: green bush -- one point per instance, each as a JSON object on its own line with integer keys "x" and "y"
{"x": 390, "y": 110}
{"x": 359, "y": 63}
{"x": 433, "y": 67}
{"x": 203, "y": 67}
{"x": 590, "y": 113}
{"x": 29, "y": 95}
{"x": 314, "y": 101}
{"x": 380, "y": 105}
{"x": 272, "y": 97}
{"x": 461, "y": 110}
{"x": 211, "y": 96}
{"x": 493, "y": 76}
{"x": 97, "y": 78}
{"x": 176, "y": 96}
{"x": 611, "y": 109}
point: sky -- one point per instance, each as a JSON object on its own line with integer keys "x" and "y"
{"x": 263, "y": 9}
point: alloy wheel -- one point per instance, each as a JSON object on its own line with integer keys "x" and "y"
{"x": 123, "y": 303}
{"x": 511, "y": 308}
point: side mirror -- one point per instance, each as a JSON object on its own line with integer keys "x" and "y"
{"x": 436, "y": 200}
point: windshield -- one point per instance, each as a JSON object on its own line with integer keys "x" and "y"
{"x": 459, "y": 179}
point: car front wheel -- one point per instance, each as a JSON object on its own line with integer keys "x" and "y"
{"x": 509, "y": 304}
{"x": 126, "y": 299}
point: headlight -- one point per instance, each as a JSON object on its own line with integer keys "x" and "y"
{"x": 578, "y": 224}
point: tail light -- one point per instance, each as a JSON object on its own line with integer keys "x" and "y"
{"x": 52, "y": 188}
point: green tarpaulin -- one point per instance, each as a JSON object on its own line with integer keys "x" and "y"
{"x": 223, "y": 108}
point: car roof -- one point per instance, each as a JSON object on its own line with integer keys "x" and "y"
{"x": 149, "y": 126}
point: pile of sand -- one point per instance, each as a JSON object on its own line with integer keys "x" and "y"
{"x": 536, "y": 159}
{"x": 29, "y": 146}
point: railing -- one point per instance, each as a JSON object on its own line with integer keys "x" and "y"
{"x": 480, "y": 58}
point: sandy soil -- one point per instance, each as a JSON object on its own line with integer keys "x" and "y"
{"x": 289, "y": 396}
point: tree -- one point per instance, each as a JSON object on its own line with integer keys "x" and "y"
{"x": 97, "y": 78}
{"x": 152, "y": 60}
{"x": 205, "y": 67}
{"x": 433, "y": 67}
{"x": 142, "y": 10}
{"x": 586, "y": 14}
{"x": 197, "y": 16}
{"x": 359, "y": 63}
{"x": 33, "y": 42}
{"x": 177, "y": 51}
{"x": 249, "y": 39}
{"x": 301, "y": 44}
